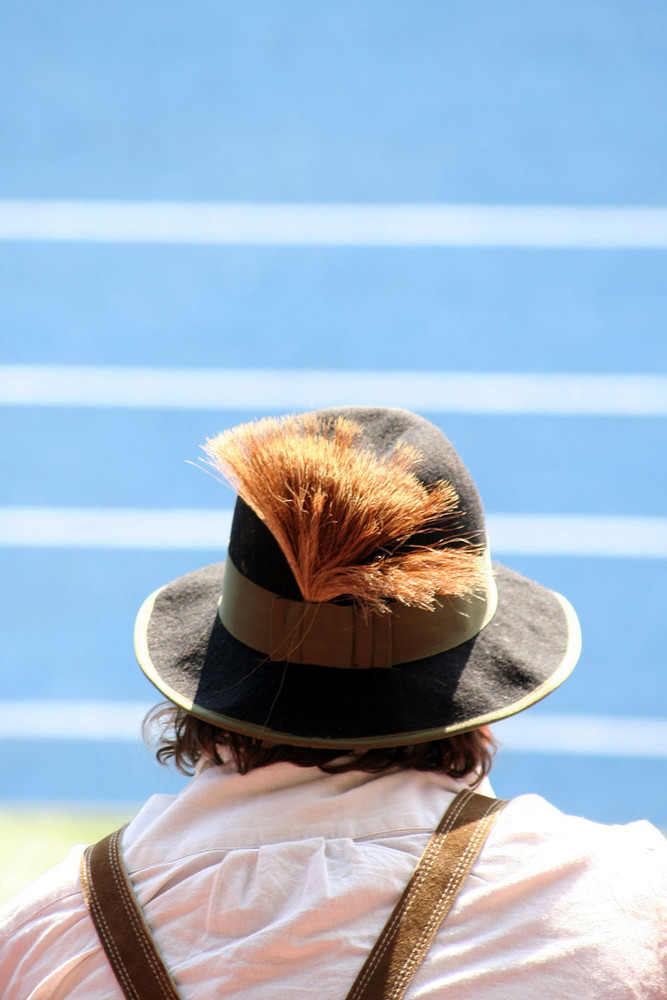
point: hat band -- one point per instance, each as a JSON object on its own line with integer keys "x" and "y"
{"x": 338, "y": 635}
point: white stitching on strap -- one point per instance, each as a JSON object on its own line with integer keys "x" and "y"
{"x": 130, "y": 907}
{"x": 444, "y": 900}
{"x": 422, "y": 872}
{"x": 103, "y": 927}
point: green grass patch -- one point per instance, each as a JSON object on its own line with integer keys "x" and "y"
{"x": 32, "y": 840}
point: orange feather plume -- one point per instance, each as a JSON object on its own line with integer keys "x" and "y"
{"x": 339, "y": 512}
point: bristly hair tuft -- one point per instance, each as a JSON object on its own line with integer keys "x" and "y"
{"x": 342, "y": 515}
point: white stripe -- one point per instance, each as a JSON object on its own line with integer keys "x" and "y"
{"x": 604, "y": 736}
{"x": 578, "y": 535}
{"x": 115, "y": 528}
{"x": 71, "y": 720}
{"x": 281, "y": 390}
{"x": 460, "y": 225}
{"x": 208, "y": 530}
{"x": 592, "y": 735}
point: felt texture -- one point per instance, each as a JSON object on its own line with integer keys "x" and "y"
{"x": 519, "y": 657}
{"x": 508, "y": 662}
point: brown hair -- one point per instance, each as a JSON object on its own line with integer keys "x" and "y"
{"x": 183, "y": 739}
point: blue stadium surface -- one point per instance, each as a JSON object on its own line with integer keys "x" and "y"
{"x": 356, "y": 103}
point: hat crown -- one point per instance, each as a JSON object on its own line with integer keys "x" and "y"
{"x": 257, "y": 554}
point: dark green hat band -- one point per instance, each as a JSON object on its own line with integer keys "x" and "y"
{"x": 338, "y": 635}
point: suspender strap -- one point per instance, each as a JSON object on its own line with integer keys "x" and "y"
{"x": 428, "y": 897}
{"x": 388, "y": 970}
{"x": 124, "y": 934}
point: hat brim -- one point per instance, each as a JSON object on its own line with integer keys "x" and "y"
{"x": 527, "y": 650}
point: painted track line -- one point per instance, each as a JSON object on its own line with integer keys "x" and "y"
{"x": 72, "y": 720}
{"x": 588, "y": 735}
{"x": 115, "y": 528}
{"x": 208, "y": 530}
{"x": 273, "y": 390}
{"x": 270, "y": 224}
{"x": 594, "y": 735}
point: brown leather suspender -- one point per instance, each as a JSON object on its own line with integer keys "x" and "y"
{"x": 388, "y": 970}
{"x": 118, "y": 919}
{"x": 427, "y": 898}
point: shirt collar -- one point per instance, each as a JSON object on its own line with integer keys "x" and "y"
{"x": 223, "y": 809}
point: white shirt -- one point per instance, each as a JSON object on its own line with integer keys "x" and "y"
{"x": 277, "y": 883}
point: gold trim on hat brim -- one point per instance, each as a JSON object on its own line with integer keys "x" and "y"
{"x": 565, "y": 668}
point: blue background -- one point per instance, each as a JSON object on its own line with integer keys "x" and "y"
{"x": 361, "y": 101}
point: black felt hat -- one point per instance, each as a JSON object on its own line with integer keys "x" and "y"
{"x": 334, "y": 655}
